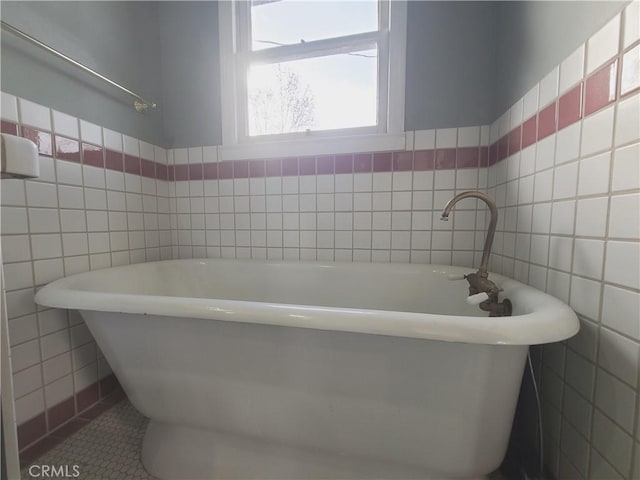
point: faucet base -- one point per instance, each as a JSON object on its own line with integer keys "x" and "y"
{"x": 478, "y": 282}
{"x": 497, "y": 309}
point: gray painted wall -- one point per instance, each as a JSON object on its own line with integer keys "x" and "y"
{"x": 190, "y": 73}
{"x": 118, "y": 39}
{"x": 536, "y": 36}
{"x": 450, "y": 64}
{"x": 467, "y": 62}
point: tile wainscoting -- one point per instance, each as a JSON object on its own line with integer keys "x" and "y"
{"x": 102, "y": 199}
{"x": 567, "y": 184}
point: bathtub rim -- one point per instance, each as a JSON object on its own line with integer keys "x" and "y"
{"x": 550, "y": 320}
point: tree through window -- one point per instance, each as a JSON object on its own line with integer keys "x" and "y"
{"x": 300, "y": 67}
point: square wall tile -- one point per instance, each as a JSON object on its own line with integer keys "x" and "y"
{"x": 41, "y": 220}
{"x": 565, "y": 181}
{"x": 20, "y": 303}
{"x": 8, "y": 107}
{"x": 65, "y": 124}
{"x": 591, "y": 217}
{"x": 600, "y": 468}
{"x": 580, "y": 374}
{"x": 622, "y": 262}
{"x": 23, "y": 329}
{"x": 545, "y": 153}
{"x": 631, "y": 25}
{"x": 585, "y": 297}
{"x": 628, "y": 120}
{"x": 515, "y": 114}
{"x": 18, "y": 276}
{"x": 568, "y": 143}
{"x": 585, "y": 342}
{"x": 59, "y": 390}
{"x": 13, "y": 192}
{"x": 468, "y": 136}
{"x": 594, "y": 174}
{"x": 570, "y": 107}
{"x": 603, "y": 45}
{"x": 91, "y": 133}
{"x": 560, "y": 253}
{"x": 600, "y": 88}
{"x": 624, "y": 216}
{"x": 112, "y": 140}
{"x": 587, "y": 258}
{"x": 130, "y": 146}
{"x": 530, "y": 102}
{"x": 597, "y": 132}
{"x": 575, "y": 447}
{"x": 562, "y": 217}
{"x": 626, "y": 168}
{"x": 56, "y": 367}
{"x": 425, "y": 139}
{"x": 34, "y": 115}
{"x": 548, "y": 88}
{"x": 446, "y": 137}
{"x": 619, "y": 356}
{"x": 620, "y": 311}
{"x": 571, "y": 69}
{"x": 28, "y": 407}
{"x": 612, "y": 442}
{"x": 543, "y": 186}
{"x": 630, "y": 80}
{"x": 15, "y": 248}
{"x": 52, "y": 320}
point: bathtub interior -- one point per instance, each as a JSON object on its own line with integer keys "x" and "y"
{"x": 401, "y": 288}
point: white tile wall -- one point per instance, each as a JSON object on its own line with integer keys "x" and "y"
{"x": 356, "y": 217}
{"x": 603, "y": 45}
{"x": 585, "y": 249}
{"x": 572, "y": 70}
{"x": 68, "y": 221}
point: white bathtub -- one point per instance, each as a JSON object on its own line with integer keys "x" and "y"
{"x": 253, "y": 369}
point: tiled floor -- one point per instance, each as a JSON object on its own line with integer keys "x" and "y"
{"x": 108, "y": 448}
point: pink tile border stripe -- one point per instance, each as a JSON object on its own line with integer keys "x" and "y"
{"x": 111, "y": 394}
{"x": 69, "y": 149}
{"x": 62, "y": 412}
{"x": 599, "y": 90}
{"x": 464, "y": 157}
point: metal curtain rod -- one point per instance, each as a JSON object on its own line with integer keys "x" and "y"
{"x": 140, "y": 104}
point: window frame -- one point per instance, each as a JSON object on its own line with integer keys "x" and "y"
{"x": 234, "y": 19}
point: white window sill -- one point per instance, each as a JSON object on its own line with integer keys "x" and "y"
{"x": 313, "y": 147}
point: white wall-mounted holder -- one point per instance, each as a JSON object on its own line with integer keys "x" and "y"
{"x": 19, "y": 157}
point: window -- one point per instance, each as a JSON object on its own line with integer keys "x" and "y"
{"x": 296, "y": 69}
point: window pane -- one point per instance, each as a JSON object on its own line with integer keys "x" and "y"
{"x": 287, "y": 22}
{"x": 322, "y": 93}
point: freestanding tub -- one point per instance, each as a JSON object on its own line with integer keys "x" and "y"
{"x": 257, "y": 369}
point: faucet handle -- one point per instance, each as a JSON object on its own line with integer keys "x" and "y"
{"x": 477, "y": 298}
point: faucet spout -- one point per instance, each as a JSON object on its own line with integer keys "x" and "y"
{"x": 479, "y": 281}
{"x": 484, "y": 263}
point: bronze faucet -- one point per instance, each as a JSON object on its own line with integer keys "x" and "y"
{"x": 480, "y": 287}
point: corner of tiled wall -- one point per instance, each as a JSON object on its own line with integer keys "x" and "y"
{"x": 565, "y": 173}
{"x": 102, "y": 200}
